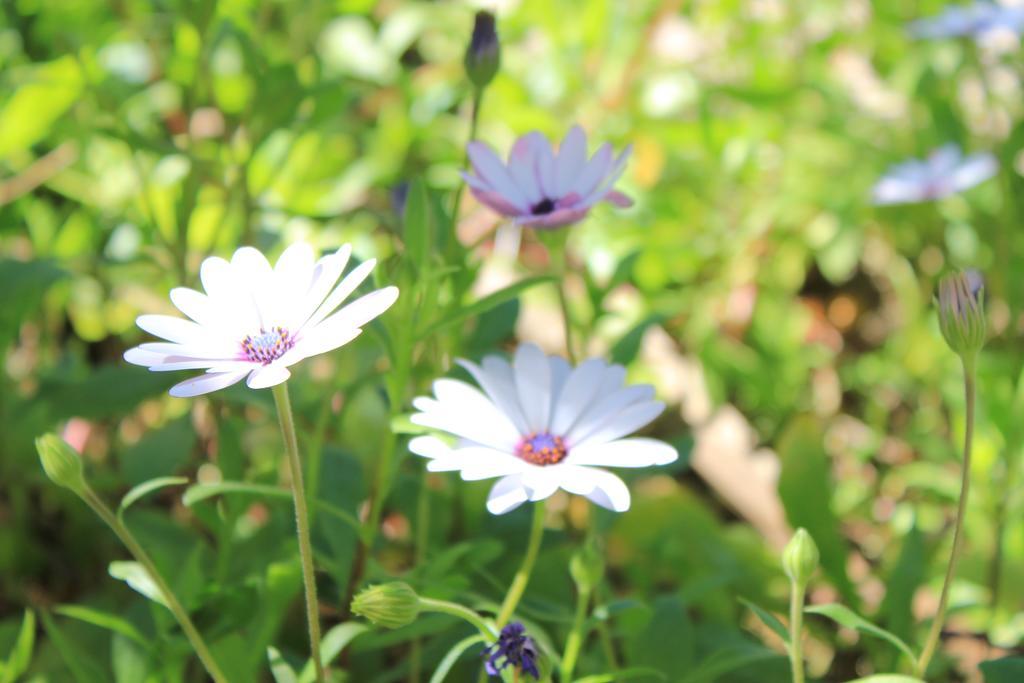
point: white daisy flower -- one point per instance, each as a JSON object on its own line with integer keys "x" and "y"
{"x": 541, "y": 426}
{"x": 254, "y": 321}
{"x": 946, "y": 171}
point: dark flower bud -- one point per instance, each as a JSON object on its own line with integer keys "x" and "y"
{"x": 513, "y": 649}
{"x": 483, "y": 56}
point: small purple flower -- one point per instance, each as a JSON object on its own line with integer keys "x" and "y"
{"x": 978, "y": 21}
{"x": 946, "y": 171}
{"x": 542, "y": 189}
{"x": 514, "y": 648}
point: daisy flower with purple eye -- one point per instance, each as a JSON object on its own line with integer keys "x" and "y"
{"x": 541, "y": 425}
{"x": 253, "y": 321}
{"x": 540, "y": 188}
{"x": 977, "y": 20}
{"x": 945, "y": 172}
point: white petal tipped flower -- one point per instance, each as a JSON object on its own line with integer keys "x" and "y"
{"x": 541, "y": 189}
{"x": 945, "y": 172}
{"x": 254, "y": 320}
{"x": 541, "y": 425}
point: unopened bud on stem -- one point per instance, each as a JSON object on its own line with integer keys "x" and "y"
{"x": 483, "y": 56}
{"x": 800, "y": 558}
{"x": 60, "y": 461}
{"x": 391, "y": 605}
{"x": 961, "y": 302}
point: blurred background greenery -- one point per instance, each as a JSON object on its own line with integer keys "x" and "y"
{"x": 786, "y": 321}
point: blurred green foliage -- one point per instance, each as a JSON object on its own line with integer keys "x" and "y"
{"x": 752, "y": 278}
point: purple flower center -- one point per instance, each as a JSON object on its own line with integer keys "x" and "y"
{"x": 543, "y": 207}
{"x": 542, "y": 448}
{"x": 268, "y": 345}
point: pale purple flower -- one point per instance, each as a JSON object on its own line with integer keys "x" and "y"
{"x": 541, "y": 188}
{"x": 254, "y": 320}
{"x": 977, "y": 20}
{"x": 946, "y": 171}
{"x": 541, "y": 425}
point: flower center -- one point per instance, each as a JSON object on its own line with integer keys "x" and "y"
{"x": 268, "y": 345}
{"x": 542, "y": 448}
{"x": 543, "y": 207}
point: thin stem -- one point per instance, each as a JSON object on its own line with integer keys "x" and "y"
{"x": 965, "y": 484}
{"x": 456, "y": 610}
{"x": 173, "y": 604}
{"x": 559, "y": 255}
{"x": 474, "y": 119}
{"x": 575, "y": 640}
{"x": 522, "y": 577}
{"x": 291, "y": 447}
{"x": 796, "y": 627}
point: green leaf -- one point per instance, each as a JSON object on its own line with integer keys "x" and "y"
{"x": 906, "y": 575}
{"x": 805, "y": 486}
{"x": 200, "y": 492}
{"x": 106, "y": 392}
{"x": 21, "y": 655}
{"x": 331, "y": 646}
{"x": 81, "y": 663}
{"x": 1005, "y": 670}
{"x": 483, "y": 305}
{"x": 623, "y": 675}
{"x": 136, "y": 576}
{"x": 129, "y": 659}
{"x": 844, "y": 616}
{"x": 23, "y": 283}
{"x": 146, "y": 488}
{"x": 279, "y": 668}
{"x": 768, "y": 619}
{"x": 417, "y": 225}
{"x": 159, "y": 453}
{"x": 452, "y": 656}
{"x": 105, "y": 620}
{"x": 31, "y": 111}
{"x": 727, "y": 660}
{"x": 675, "y": 655}
{"x": 888, "y": 678}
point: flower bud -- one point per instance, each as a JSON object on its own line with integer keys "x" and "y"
{"x": 800, "y": 558}
{"x": 961, "y": 303}
{"x": 483, "y": 56}
{"x": 586, "y": 567}
{"x": 60, "y": 461}
{"x": 391, "y": 605}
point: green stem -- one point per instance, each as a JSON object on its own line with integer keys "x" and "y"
{"x": 522, "y": 577}
{"x": 464, "y": 613}
{"x": 965, "y": 484}
{"x": 559, "y": 256}
{"x": 173, "y": 604}
{"x": 796, "y": 627}
{"x": 474, "y": 119}
{"x": 291, "y": 446}
{"x": 575, "y": 640}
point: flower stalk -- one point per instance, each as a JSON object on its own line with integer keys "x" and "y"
{"x": 935, "y": 632}
{"x": 291, "y": 446}
{"x": 522, "y": 577}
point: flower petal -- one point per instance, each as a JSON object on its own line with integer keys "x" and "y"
{"x": 603, "y": 488}
{"x": 618, "y": 425}
{"x": 522, "y": 168}
{"x": 533, "y": 384}
{"x": 268, "y": 376}
{"x": 506, "y": 495}
{"x": 489, "y": 167}
{"x": 497, "y": 380}
{"x": 635, "y": 452}
{"x": 579, "y": 391}
{"x": 342, "y": 291}
{"x": 204, "y": 384}
{"x": 572, "y": 154}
